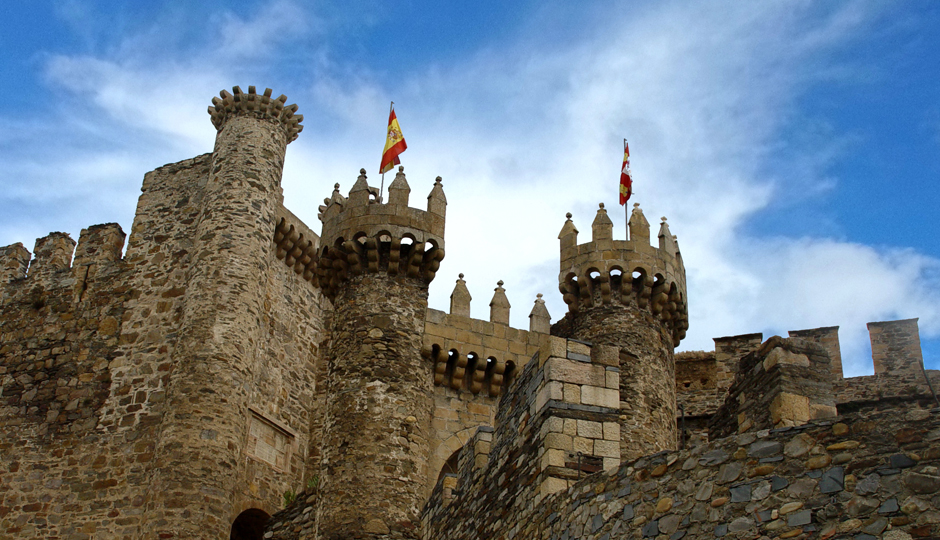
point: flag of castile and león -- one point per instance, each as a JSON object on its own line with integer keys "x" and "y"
{"x": 626, "y": 178}
{"x": 394, "y": 143}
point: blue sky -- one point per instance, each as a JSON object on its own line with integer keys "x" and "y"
{"x": 793, "y": 145}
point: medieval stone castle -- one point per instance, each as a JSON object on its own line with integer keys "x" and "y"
{"x": 234, "y": 374}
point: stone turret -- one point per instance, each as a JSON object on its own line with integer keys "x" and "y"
{"x": 632, "y": 295}
{"x": 217, "y": 354}
{"x": 376, "y": 262}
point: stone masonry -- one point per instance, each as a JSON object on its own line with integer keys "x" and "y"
{"x": 232, "y": 373}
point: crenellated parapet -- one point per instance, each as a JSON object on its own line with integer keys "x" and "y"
{"x": 363, "y": 234}
{"x": 14, "y": 260}
{"x": 629, "y": 272}
{"x": 257, "y": 106}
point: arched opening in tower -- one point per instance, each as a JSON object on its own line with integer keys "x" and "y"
{"x": 249, "y": 525}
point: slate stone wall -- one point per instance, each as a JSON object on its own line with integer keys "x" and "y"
{"x": 864, "y": 476}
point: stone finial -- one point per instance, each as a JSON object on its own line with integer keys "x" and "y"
{"x": 639, "y": 227}
{"x": 568, "y": 234}
{"x": 460, "y": 298}
{"x": 399, "y": 190}
{"x": 499, "y": 305}
{"x": 437, "y": 202}
{"x": 256, "y": 106}
{"x": 603, "y": 227}
{"x": 667, "y": 242}
{"x": 332, "y": 205}
{"x": 539, "y": 319}
{"x": 359, "y": 194}
{"x": 14, "y": 260}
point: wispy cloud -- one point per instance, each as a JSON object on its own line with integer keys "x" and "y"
{"x": 526, "y": 131}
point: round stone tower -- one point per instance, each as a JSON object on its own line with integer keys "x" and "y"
{"x": 632, "y": 295}
{"x": 376, "y": 261}
{"x": 203, "y": 433}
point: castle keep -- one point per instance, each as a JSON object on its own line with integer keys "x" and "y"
{"x": 233, "y": 373}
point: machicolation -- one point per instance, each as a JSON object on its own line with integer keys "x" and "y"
{"x": 234, "y": 374}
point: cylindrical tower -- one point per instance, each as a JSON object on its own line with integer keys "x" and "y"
{"x": 375, "y": 263}
{"x": 629, "y": 294}
{"x": 205, "y": 427}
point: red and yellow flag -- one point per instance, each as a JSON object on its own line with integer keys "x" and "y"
{"x": 394, "y": 143}
{"x": 626, "y": 179}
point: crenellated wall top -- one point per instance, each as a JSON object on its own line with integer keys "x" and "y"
{"x": 364, "y": 213}
{"x": 605, "y": 270}
{"x": 363, "y": 234}
{"x": 603, "y": 254}
{"x": 256, "y": 105}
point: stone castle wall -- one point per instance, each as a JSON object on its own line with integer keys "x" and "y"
{"x": 86, "y": 357}
{"x": 864, "y": 475}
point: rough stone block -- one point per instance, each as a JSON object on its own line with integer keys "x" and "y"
{"x": 590, "y": 429}
{"x": 613, "y": 379}
{"x": 790, "y": 409}
{"x": 605, "y": 355}
{"x": 783, "y": 356}
{"x": 600, "y": 397}
{"x": 551, "y": 346}
{"x": 609, "y": 449}
{"x": 552, "y": 390}
{"x": 572, "y": 393}
{"x": 552, "y": 485}
{"x": 559, "y": 441}
{"x": 562, "y": 369}
{"x": 611, "y": 431}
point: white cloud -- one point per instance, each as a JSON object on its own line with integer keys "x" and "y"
{"x": 524, "y": 133}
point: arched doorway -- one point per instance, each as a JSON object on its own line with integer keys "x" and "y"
{"x": 249, "y": 525}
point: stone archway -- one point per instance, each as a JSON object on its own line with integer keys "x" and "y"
{"x": 249, "y": 525}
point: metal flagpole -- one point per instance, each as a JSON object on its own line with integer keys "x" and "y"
{"x": 382, "y": 185}
{"x": 626, "y": 212}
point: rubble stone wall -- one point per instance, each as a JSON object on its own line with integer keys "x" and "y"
{"x": 868, "y": 476}
{"x": 785, "y": 382}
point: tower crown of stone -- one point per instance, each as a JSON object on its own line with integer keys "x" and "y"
{"x": 605, "y": 271}
{"x": 362, "y": 233}
{"x": 256, "y": 105}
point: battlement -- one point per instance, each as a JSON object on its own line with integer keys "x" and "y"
{"x": 361, "y": 234}
{"x": 605, "y": 271}
{"x": 257, "y": 106}
{"x": 14, "y": 260}
{"x": 98, "y": 245}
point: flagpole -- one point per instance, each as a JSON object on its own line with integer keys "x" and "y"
{"x": 626, "y": 212}
{"x": 382, "y": 185}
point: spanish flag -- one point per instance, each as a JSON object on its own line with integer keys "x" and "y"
{"x": 626, "y": 179}
{"x": 394, "y": 143}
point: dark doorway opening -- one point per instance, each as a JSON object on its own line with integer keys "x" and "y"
{"x": 249, "y": 525}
